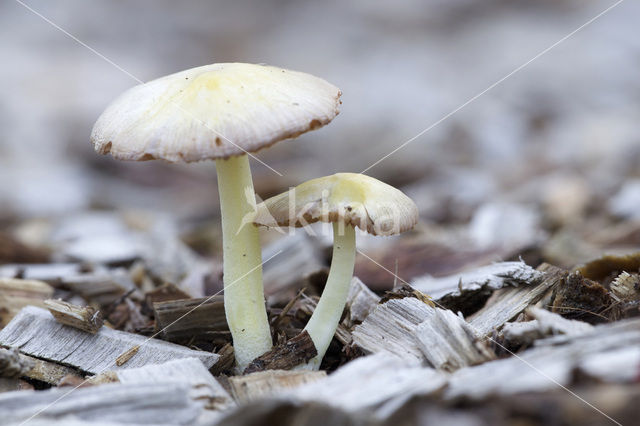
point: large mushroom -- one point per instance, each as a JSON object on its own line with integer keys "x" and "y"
{"x": 222, "y": 112}
{"x": 347, "y": 200}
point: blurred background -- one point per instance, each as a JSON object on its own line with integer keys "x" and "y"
{"x": 547, "y": 159}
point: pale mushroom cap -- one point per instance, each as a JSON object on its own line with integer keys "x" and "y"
{"x": 352, "y": 198}
{"x": 214, "y": 111}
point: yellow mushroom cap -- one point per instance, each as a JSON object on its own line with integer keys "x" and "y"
{"x": 214, "y": 111}
{"x": 351, "y": 198}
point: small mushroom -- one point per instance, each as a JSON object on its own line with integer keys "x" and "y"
{"x": 347, "y": 200}
{"x": 221, "y": 112}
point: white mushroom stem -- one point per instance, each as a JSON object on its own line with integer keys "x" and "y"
{"x": 242, "y": 261}
{"x": 324, "y": 321}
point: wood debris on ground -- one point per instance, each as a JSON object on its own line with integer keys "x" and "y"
{"x": 85, "y": 318}
{"x": 149, "y": 341}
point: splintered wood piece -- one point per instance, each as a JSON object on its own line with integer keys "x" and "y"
{"x": 17, "y": 293}
{"x": 390, "y": 328}
{"x": 204, "y": 388}
{"x": 544, "y": 324}
{"x": 490, "y": 277}
{"x": 551, "y": 362}
{"x": 361, "y": 301}
{"x": 369, "y": 382}
{"x": 418, "y": 333}
{"x": 263, "y": 384}
{"x": 85, "y": 318}
{"x": 35, "y": 332}
{"x": 149, "y": 403}
{"x": 190, "y": 318}
{"x": 296, "y": 351}
{"x": 626, "y": 287}
{"x": 508, "y": 303}
{"x": 449, "y": 343}
{"x": 553, "y": 324}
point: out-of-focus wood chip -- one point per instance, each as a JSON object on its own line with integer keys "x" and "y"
{"x": 18, "y": 293}
{"x": 262, "y": 384}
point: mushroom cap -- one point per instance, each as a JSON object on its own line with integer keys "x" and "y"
{"x": 213, "y": 111}
{"x": 352, "y": 198}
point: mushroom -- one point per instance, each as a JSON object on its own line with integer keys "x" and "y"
{"x": 222, "y": 112}
{"x": 347, "y": 200}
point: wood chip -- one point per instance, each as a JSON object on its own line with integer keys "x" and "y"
{"x": 101, "y": 286}
{"x": 550, "y": 362}
{"x": 18, "y": 293}
{"x": 190, "y": 318}
{"x": 124, "y": 357}
{"x": 296, "y": 351}
{"x": 449, "y": 343}
{"x": 49, "y": 372}
{"x": 543, "y": 324}
{"x": 626, "y": 287}
{"x": 203, "y": 387}
{"x": 390, "y": 328}
{"x": 418, "y": 333}
{"x": 85, "y": 318}
{"x": 491, "y": 277}
{"x": 508, "y": 303}
{"x": 621, "y": 365}
{"x": 368, "y": 383}
{"x": 35, "y": 332}
{"x": 361, "y": 301}
{"x": 268, "y": 383}
{"x": 154, "y": 403}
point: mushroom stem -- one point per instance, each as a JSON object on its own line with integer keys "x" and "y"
{"x": 242, "y": 261}
{"x": 324, "y": 321}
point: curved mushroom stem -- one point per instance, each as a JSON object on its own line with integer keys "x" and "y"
{"x": 242, "y": 261}
{"x": 324, "y": 321}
